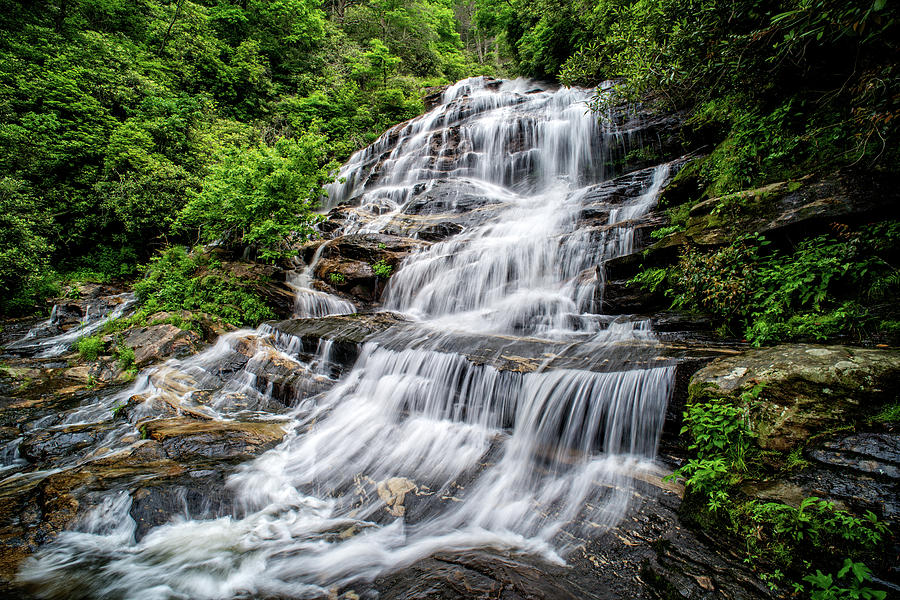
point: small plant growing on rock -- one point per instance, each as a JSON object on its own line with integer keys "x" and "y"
{"x": 124, "y": 356}
{"x": 89, "y": 348}
{"x": 74, "y": 292}
{"x": 337, "y": 278}
{"x": 826, "y": 587}
{"x": 118, "y": 410}
{"x": 382, "y": 269}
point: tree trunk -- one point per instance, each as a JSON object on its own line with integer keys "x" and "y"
{"x": 171, "y": 23}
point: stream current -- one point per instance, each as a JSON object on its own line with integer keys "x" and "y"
{"x": 417, "y": 449}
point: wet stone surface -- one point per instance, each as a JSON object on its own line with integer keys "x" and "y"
{"x": 648, "y": 555}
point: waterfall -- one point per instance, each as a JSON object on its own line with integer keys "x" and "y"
{"x": 37, "y": 341}
{"x": 419, "y": 448}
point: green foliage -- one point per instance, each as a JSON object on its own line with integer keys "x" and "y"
{"x": 888, "y": 414}
{"x": 116, "y": 116}
{"x": 337, "y": 278}
{"x": 820, "y": 289}
{"x": 826, "y": 587}
{"x": 719, "y": 427}
{"x": 89, "y": 348}
{"x": 716, "y": 282}
{"x": 651, "y": 279}
{"x": 658, "y": 234}
{"x": 377, "y": 64}
{"x": 102, "y": 265}
{"x": 382, "y": 269}
{"x": 25, "y": 276}
{"x": 177, "y": 280}
{"x": 262, "y": 198}
{"x": 721, "y": 439}
{"x": 778, "y": 540}
{"x": 124, "y": 356}
{"x": 774, "y": 531}
{"x": 789, "y": 86}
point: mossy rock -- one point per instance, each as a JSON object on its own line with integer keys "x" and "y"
{"x": 806, "y": 389}
{"x": 802, "y": 206}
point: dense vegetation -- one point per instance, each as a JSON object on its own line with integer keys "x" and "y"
{"x": 130, "y": 125}
{"x": 787, "y": 86}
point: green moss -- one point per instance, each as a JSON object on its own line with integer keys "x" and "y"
{"x": 178, "y": 280}
{"x": 888, "y": 414}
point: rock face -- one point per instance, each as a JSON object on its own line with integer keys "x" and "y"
{"x": 806, "y": 388}
{"x": 788, "y": 207}
{"x": 347, "y": 333}
{"x": 810, "y": 396}
{"x": 783, "y": 211}
{"x": 348, "y": 263}
{"x": 268, "y": 281}
{"x": 158, "y": 342}
{"x": 649, "y": 555}
{"x": 186, "y": 439}
{"x": 860, "y": 471}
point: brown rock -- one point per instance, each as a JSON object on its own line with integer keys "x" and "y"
{"x": 159, "y": 342}
{"x": 185, "y": 439}
{"x": 806, "y": 388}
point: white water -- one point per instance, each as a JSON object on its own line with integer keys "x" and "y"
{"x": 419, "y": 449}
{"x": 42, "y": 346}
{"x": 310, "y": 302}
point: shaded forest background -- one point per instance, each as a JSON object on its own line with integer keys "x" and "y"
{"x": 128, "y": 127}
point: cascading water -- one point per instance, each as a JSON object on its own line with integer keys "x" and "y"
{"x": 37, "y": 341}
{"x": 419, "y": 449}
{"x": 310, "y": 302}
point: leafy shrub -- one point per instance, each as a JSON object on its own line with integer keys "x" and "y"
{"x": 717, "y": 282}
{"x": 658, "y": 234}
{"x": 721, "y": 438}
{"x": 825, "y": 587}
{"x": 823, "y": 288}
{"x": 177, "y": 280}
{"x": 262, "y": 197}
{"x": 774, "y": 530}
{"x": 336, "y": 277}
{"x": 382, "y": 269}
{"x": 25, "y": 275}
{"x": 124, "y": 356}
{"x": 103, "y": 264}
{"x": 89, "y": 348}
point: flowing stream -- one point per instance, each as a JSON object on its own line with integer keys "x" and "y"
{"x": 418, "y": 448}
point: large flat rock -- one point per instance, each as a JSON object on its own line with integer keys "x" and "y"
{"x": 807, "y": 388}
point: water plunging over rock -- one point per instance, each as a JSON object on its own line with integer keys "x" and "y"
{"x": 495, "y": 414}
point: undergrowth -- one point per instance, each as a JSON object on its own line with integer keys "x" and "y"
{"x": 836, "y": 284}
{"x": 178, "y": 280}
{"x": 788, "y": 546}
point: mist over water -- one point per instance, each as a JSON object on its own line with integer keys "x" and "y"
{"x": 419, "y": 448}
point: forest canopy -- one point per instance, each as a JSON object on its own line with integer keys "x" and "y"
{"x": 121, "y": 119}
